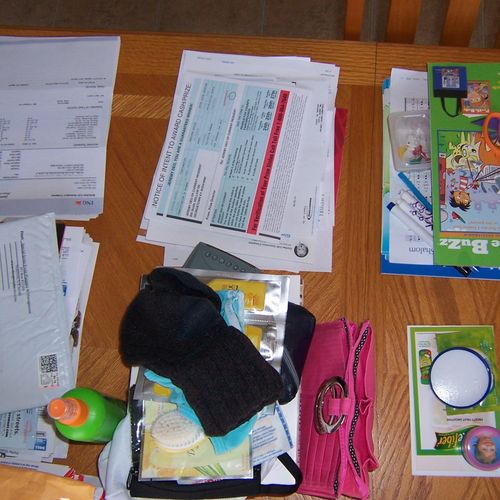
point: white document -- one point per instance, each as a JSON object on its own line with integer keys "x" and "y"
{"x": 78, "y": 255}
{"x": 35, "y": 359}
{"x": 227, "y": 180}
{"x": 408, "y": 92}
{"x": 246, "y": 161}
{"x": 27, "y": 433}
{"x": 55, "y": 109}
{"x": 176, "y": 255}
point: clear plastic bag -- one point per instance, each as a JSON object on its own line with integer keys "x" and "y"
{"x": 410, "y": 140}
{"x": 168, "y": 446}
{"x": 265, "y": 307}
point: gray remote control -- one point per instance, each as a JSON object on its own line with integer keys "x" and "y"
{"x": 206, "y": 256}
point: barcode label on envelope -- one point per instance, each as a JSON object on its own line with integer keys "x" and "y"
{"x": 48, "y": 371}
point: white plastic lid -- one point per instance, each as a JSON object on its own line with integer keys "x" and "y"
{"x": 460, "y": 377}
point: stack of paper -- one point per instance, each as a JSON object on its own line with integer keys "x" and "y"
{"x": 403, "y": 250}
{"x": 247, "y": 164}
{"x": 44, "y": 292}
{"x": 55, "y": 109}
{"x": 407, "y": 92}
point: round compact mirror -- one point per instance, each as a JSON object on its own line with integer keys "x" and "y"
{"x": 460, "y": 377}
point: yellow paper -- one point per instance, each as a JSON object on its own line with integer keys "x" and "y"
{"x": 254, "y": 291}
{"x": 25, "y": 484}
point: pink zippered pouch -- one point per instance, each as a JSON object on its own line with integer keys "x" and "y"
{"x": 336, "y": 413}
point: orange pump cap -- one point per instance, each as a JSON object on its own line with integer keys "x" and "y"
{"x": 68, "y": 411}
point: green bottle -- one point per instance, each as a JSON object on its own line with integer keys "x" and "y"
{"x": 83, "y": 414}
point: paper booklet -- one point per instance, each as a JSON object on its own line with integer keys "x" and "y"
{"x": 465, "y": 133}
{"x": 55, "y": 110}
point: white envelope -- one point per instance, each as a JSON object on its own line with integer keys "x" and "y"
{"x": 35, "y": 354}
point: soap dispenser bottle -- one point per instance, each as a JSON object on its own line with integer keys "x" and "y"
{"x": 83, "y": 414}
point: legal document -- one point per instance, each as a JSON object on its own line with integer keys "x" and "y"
{"x": 248, "y": 160}
{"x": 55, "y": 109}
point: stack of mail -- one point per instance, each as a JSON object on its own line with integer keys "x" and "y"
{"x": 55, "y": 110}
{"x": 248, "y": 162}
{"x": 43, "y": 297}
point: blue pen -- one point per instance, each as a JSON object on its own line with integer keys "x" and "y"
{"x": 420, "y": 197}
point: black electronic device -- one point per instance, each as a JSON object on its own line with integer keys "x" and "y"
{"x": 206, "y": 256}
{"x": 449, "y": 81}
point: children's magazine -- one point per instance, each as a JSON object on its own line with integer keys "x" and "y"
{"x": 465, "y": 127}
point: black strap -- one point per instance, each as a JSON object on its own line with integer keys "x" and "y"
{"x": 225, "y": 488}
{"x": 457, "y": 110}
{"x": 284, "y": 489}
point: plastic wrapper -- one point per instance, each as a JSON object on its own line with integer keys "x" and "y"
{"x": 265, "y": 307}
{"x": 410, "y": 140}
{"x": 149, "y": 390}
{"x": 176, "y": 452}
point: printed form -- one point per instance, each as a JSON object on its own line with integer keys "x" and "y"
{"x": 55, "y": 108}
{"x": 247, "y": 159}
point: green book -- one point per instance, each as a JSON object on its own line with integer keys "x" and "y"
{"x": 464, "y": 102}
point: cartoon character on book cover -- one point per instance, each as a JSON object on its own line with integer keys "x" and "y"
{"x": 465, "y": 136}
{"x": 470, "y": 182}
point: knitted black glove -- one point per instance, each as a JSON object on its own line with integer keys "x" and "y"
{"x": 174, "y": 328}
